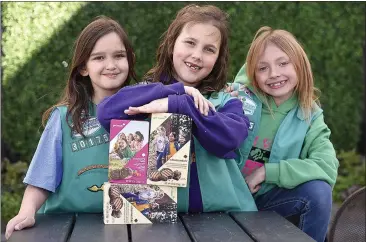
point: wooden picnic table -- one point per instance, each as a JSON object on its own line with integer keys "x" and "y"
{"x": 203, "y": 227}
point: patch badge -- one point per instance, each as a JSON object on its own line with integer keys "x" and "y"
{"x": 241, "y": 87}
{"x": 249, "y": 106}
{"x": 91, "y": 126}
{"x": 246, "y": 90}
{"x": 251, "y": 126}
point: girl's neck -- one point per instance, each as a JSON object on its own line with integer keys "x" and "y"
{"x": 279, "y": 101}
{"x": 175, "y": 80}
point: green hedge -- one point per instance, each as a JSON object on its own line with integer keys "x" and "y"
{"x": 38, "y": 38}
{"x": 12, "y": 188}
{"x": 351, "y": 175}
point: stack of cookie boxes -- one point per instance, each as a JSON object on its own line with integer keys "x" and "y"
{"x": 145, "y": 168}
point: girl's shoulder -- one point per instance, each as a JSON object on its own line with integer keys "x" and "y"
{"x": 62, "y": 108}
{"x": 63, "y": 112}
{"x": 315, "y": 112}
{"x": 316, "y": 108}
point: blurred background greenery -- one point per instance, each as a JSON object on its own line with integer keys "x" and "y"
{"x": 37, "y": 40}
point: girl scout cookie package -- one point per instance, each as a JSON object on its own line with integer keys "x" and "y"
{"x": 139, "y": 204}
{"x": 128, "y": 151}
{"x": 169, "y": 149}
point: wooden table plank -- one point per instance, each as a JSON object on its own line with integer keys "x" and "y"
{"x": 48, "y": 228}
{"x": 210, "y": 227}
{"x": 269, "y": 226}
{"x": 159, "y": 232}
{"x": 91, "y": 228}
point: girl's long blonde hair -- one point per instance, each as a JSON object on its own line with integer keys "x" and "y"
{"x": 284, "y": 40}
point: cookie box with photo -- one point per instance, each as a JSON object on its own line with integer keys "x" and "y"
{"x": 169, "y": 149}
{"x": 128, "y": 151}
{"x": 139, "y": 204}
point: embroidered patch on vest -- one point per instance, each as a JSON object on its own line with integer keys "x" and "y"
{"x": 95, "y": 188}
{"x": 246, "y": 90}
{"x": 241, "y": 87}
{"x": 89, "y": 142}
{"x": 90, "y": 126}
{"x": 92, "y": 167}
{"x": 249, "y": 105}
{"x": 251, "y": 126}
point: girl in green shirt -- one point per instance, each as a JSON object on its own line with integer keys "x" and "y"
{"x": 287, "y": 160}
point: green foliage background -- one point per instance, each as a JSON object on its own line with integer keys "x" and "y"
{"x": 38, "y": 37}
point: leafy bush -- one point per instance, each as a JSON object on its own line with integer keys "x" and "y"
{"x": 38, "y": 38}
{"x": 12, "y": 188}
{"x": 351, "y": 175}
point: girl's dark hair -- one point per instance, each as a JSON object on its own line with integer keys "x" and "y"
{"x": 131, "y": 135}
{"x": 79, "y": 89}
{"x": 217, "y": 79}
{"x": 138, "y": 133}
{"x": 174, "y": 135}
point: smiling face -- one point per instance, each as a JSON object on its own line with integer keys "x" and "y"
{"x": 275, "y": 74}
{"x": 171, "y": 137}
{"x": 181, "y": 139}
{"x": 107, "y": 65}
{"x": 122, "y": 143}
{"x": 130, "y": 137}
{"x": 195, "y": 52}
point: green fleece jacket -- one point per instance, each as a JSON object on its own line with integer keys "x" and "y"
{"x": 300, "y": 152}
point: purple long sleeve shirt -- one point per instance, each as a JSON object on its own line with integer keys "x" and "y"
{"x": 220, "y": 133}
{"x": 113, "y": 107}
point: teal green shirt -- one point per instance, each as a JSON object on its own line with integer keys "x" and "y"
{"x": 270, "y": 121}
{"x": 85, "y": 168}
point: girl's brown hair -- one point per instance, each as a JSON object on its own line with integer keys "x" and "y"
{"x": 285, "y": 41}
{"x": 216, "y": 80}
{"x": 79, "y": 89}
{"x": 138, "y": 133}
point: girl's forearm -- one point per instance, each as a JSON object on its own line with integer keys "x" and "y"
{"x": 113, "y": 107}
{"x": 220, "y": 132}
{"x": 33, "y": 199}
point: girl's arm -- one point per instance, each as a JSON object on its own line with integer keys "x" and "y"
{"x": 43, "y": 176}
{"x": 33, "y": 199}
{"x": 113, "y": 107}
{"x": 220, "y": 132}
{"x": 45, "y": 169}
{"x": 319, "y": 161}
